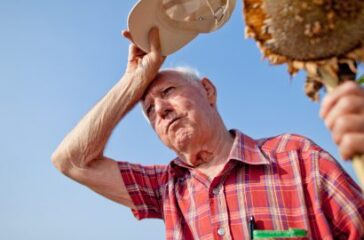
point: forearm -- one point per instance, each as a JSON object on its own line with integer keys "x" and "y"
{"x": 87, "y": 140}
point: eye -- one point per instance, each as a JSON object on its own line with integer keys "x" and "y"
{"x": 168, "y": 91}
{"x": 150, "y": 109}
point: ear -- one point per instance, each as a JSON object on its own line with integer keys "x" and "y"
{"x": 210, "y": 91}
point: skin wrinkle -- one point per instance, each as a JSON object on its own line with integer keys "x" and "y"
{"x": 189, "y": 74}
{"x": 80, "y": 155}
{"x": 199, "y": 136}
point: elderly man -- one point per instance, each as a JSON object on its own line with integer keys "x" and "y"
{"x": 220, "y": 178}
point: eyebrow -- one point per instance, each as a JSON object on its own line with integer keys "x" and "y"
{"x": 159, "y": 90}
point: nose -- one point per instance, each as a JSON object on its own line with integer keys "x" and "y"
{"x": 163, "y": 108}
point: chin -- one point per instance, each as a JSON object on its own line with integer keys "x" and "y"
{"x": 183, "y": 140}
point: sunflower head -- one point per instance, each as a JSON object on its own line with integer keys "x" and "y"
{"x": 308, "y": 34}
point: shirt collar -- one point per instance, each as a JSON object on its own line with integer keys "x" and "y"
{"x": 247, "y": 150}
{"x": 244, "y": 149}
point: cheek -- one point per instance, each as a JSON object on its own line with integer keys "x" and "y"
{"x": 192, "y": 108}
{"x": 200, "y": 114}
{"x": 160, "y": 131}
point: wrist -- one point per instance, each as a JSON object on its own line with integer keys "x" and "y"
{"x": 133, "y": 85}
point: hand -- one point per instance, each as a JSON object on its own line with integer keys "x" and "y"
{"x": 343, "y": 113}
{"x": 141, "y": 64}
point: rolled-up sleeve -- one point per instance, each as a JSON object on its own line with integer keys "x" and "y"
{"x": 144, "y": 184}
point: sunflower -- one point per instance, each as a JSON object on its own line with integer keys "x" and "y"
{"x": 323, "y": 37}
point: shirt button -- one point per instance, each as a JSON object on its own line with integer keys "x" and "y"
{"x": 221, "y": 232}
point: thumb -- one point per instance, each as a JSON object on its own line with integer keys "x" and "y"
{"x": 154, "y": 40}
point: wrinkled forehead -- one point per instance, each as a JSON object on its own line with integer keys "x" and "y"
{"x": 162, "y": 79}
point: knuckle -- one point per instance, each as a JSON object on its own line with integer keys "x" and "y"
{"x": 347, "y": 141}
{"x": 336, "y": 137}
{"x": 344, "y": 154}
{"x": 346, "y": 103}
{"x": 341, "y": 125}
{"x": 346, "y": 146}
{"x": 349, "y": 86}
{"x": 329, "y": 123}
{"x": 358, "y": 104}
{"x": 157, "y": 58}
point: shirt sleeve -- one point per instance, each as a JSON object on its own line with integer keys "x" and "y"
{"x": 144, "y": 184}
{"x": 342, "y": 200}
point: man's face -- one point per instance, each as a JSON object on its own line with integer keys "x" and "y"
{"x": 179, "y": 111}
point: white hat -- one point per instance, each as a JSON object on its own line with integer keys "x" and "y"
{"x": 178, "y": 21}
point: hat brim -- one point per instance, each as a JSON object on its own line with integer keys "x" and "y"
{"x": 143, "y": 17}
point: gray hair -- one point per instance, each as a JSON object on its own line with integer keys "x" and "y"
{"x": 192, "y": 75}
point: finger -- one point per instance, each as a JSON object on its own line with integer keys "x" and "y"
{"x": 346, "y": 105}
{"x": 154, "y": 40}
{"x": 140, "y": 62}
{"x": 351, "y": 145}
{"x": 126, "y": 34}
{"x": 134, "y": 52}
{"x": 132, "y": 49}
{"x": 347, "y": 124}
{"x": 347, "y": 88}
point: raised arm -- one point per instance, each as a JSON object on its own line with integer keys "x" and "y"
{"x": 80, "y": 154}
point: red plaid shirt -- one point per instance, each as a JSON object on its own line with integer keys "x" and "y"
{"x": 284, "y": 182}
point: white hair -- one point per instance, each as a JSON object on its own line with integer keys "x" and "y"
{"x": 192, "y": 75}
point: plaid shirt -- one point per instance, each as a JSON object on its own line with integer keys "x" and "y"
{"x": 284, "y": 182}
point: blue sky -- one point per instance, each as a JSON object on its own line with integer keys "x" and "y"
{"x": 58, "y": 58}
